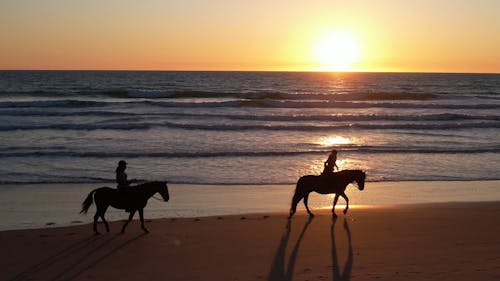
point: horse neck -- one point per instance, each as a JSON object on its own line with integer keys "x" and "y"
{"x": 350, "y": 176}
{"x": 150, "y": 191}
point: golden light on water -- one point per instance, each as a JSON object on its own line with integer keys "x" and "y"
{"x": 331, "y": 141}
{"x": 334, "y": 142}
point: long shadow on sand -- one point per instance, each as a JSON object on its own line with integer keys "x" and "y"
{"x": 74, "y": 260}
{"x": 278, "y": 270}
{"x": 54, "y": 259}
{"x": 345, "y": 274}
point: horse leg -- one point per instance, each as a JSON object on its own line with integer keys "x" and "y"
{"x": 295, "y": 200}
{"x": 98, "y": 213}
{"x": 103, "y": 219}
{"x": 132, "y": 213}
{"x": 141, "y": 216}
{"x": 96, "y": 216}
{"x": 334, "y": 204}
{"x": 306, "y": 198}
{"x": 346, "y": 202}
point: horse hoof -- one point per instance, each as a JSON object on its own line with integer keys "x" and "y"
{"x": 345, "y": 211}
{"x": 334, "y": 215}
{"x": 311, "y": 215}
{"x": 146, "y": 231}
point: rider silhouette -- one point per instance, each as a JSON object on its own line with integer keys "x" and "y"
{"x": 121, "y": 177}
{"x": 329, "y": 165}
{"x": 123, "y": 184}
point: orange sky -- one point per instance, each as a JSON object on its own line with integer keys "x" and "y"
{"x": 395, "y": 35}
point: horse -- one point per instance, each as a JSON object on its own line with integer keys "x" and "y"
{"x": 131, "y": 200}
{"x": 326, "y": 184}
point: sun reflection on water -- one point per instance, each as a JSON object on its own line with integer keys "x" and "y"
{"x": 335, "y": 140}
{"x": 340, "y": 143}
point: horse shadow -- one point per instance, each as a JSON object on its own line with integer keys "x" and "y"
{"x": 284, "y": 272}
{"x": 54, "y": 259}
{"x": 345, "y": 274}
{"x": 76, "y": 259}
{"x": 278, "y": 270}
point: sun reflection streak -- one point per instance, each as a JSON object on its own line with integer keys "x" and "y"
{"x": 343, "y": 164}
{"x": 346, "y": 147}
{"x": 336, "y": 140}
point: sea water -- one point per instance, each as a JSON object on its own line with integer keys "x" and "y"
{"x": 246, "y": 127}
{"x": 236, "y": 142}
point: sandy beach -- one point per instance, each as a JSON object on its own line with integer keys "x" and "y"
{"x": 452, "y": 241}
{"x": 57, "y": 205}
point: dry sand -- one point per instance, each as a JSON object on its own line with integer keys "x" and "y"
{"x": 458, "y": 241}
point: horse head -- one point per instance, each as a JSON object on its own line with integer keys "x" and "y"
{"x": 360, "y": 177}
{"x": 164, "y": 191}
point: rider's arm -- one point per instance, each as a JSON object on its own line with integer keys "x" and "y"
{"x": 121, "y": 179}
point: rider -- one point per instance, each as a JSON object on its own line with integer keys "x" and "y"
{"x": 330, "y": 164}
{"x": 124, "y": 184}
{"x": 121, "y": 176}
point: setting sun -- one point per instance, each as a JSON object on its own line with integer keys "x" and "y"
{"x": 337, "y": 51}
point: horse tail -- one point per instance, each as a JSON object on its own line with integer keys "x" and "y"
{"x": 304, "y": 184}
{"x": 88, "y": 202}
{"x": 297, "y": 196}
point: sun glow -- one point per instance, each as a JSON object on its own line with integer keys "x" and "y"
{"x": 337, "y": 51}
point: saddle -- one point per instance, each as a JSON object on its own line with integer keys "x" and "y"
{"x": 125, "y": 197}
{"x": 328, "y": 175}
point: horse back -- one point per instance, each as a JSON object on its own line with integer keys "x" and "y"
{"x": 323, "y": 184}
{"x": 105, "y": 189}
{"x": 308, "y": 179}
{"x": 105, "y": 193}
{"x": 306, "y": 183}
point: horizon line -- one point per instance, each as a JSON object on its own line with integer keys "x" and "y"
{"x": 277, "y": 71}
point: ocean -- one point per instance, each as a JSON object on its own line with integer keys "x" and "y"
{"x": 236, "y": 142}
{"x": 246, "y": 127}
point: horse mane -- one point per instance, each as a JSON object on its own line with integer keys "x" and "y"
{"x": 342, "y": 172}
{"x": 155, "y": 182}
{"x": 151, "y": 183}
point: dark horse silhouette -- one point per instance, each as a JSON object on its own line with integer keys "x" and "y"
{"x": 325, "y": 184}
{"x": 133, "y": 200}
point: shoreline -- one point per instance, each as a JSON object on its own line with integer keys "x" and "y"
{"x": 54, "y": 205}
{"x": 450, "y": 241}
{"x": 301, "y": 212}
{"x": 14, "y": 184}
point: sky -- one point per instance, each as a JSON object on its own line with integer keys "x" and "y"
{"x": 269, "y": 35}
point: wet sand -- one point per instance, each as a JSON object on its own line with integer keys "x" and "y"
{"x": 56, "y": 205}
{"x": 452, "y": 241}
